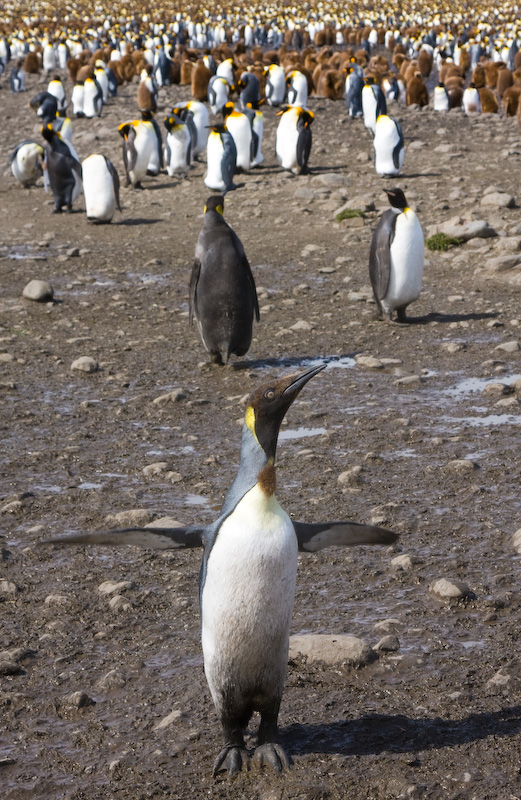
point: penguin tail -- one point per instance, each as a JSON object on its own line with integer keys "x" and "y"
{"x": 317, "y": 536}
{"x": 148, "y": 538}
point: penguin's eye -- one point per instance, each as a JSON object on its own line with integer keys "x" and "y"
{"x": 269, "y": 394}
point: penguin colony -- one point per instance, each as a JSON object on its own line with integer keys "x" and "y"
{"x": 250, "y": 552}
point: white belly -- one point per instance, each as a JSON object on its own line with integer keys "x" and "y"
{"x": 240, "y": 129}
{"x": 178, "y": 141}
{"x": 385, "y": 140}
{"x": 98, "y": 188}
{"x": 214, "y": 151}
{"x": 286, "y": 142}
{"x": 144, "y": 144}
{"x": 407, "y": 251}
{"x": 247, "y": 600}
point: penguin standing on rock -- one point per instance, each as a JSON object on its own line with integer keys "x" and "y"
{"x": 221, "y": 160}
{"x": 63, "y": 170}
{"x": 223, "y": 298}
{"x": 247, "y": 579}
{"x": 388, "y": 146}
{"x": 396, "y": 257}
{"x": 294, "y": 138}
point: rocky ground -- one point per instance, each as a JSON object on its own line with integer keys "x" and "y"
{"x": 415, "y": 427}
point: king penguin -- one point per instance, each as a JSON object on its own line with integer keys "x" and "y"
{"x": 100, "y": 187}
{"x": 139, "y": 141}
{"x": 26, "y": 162}
{"x": 373, "y": 103}
{"x": 178, "y": 146}
{"x": 223, "y": 298}
{"x": 396, "y": 257}
{"x": 92, "y": 98}
{"x": 247, "y": 579}
{"x": 440, "y": 98}
{"x": 294, "y": 138}
{"x": 57, "y": 89}
{"x": 353, "y": 89}
{"x": 196, "y": 116}
{"x": 221, "y": 159}
{"x": 240, "y": 127}
{"x": 297, "y": 85}
{"x": 388, "y": 146}
{"x": 63, "y": 170}
{"x": 218, "y": 93}
{"x": 275, "y": 88}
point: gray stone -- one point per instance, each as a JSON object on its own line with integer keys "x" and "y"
{"x": 331, "y": 180}
{"x": 509, "y": 347}
{"x": 40, "y": 291}
{"x": 388, "y": 644}
{"x": 175, "y": 396}
{"x": 332, "y": 650}
{"x": 157, "y": 468}
{"x": 498, "y": 200}
{"x": 450, "y": 589}
{"x": 462, "y": 465}
{"x": 516, "y": 540}
{"x": 85, "y": 364}
{"x": 369, "y": 362}
{"x": 502, "y": 263}
{"x": 467, "y": 229}
{"x": 168, "y": 720}
{"x": 110, "y": 587}
{"x": 112, "y": 680}
{"x": 134, "y": 518}
{"x": 351, "y": 477}
{"x": 57, "y": 600}
{"x": 79, "y": 700}
{"x": 8, "y": 588}
{"x": 402, "y": 563}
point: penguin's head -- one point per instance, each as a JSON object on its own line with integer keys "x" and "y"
{"x": 396, "y": 198}
{"x": 228, "y": 109}
{"x": 147, "y": 116}
{"x": 215, "y": 203}
{"x": 267, "y": 407}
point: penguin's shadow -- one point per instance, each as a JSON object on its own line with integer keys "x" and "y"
{"x": 437, "y": 316}
{"x": 137, "y": 221}
{"x": 408, "y": 175}
{"x": 374, "y": 734}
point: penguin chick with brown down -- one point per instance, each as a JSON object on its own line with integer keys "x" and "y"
{"x": 223, "y": 298}
{"x": 247, "y": 580}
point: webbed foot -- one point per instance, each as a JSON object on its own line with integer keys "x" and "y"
{"x": 273, "y": 754}
{"x": 231, "y": 758}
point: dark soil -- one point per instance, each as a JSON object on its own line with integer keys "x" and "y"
{"x": 424, "y": 721}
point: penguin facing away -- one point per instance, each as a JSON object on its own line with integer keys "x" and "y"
{"x": 247, "y": 579}
{"x": 100, "y": 188}
{"x": 63, "y": 170}
{"x": 294, "y": 138}
{"x": 389, "y": 152}
{"x": 221, "y": 159}
{"x": 396, "y": 257}
{"x": 223, "y": 298}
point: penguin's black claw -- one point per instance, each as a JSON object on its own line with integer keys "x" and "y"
{"x": 273, "y": 754}
{"x": 232, "y": 759}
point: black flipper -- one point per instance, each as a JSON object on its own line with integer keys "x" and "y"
{"x": 115, "y": 179}
{"x": 151, "y": 538}
{"x": 380, "y": 256}
{"x": 194, "y": 280}
{"x": 399, "y": 147}
{"x": 317, "y": 536}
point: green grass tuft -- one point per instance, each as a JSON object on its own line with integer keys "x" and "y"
{"x": 349, "y": 213}
{"x": 440, "y": 241}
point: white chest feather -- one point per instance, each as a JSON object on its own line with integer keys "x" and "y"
{"x": 386, "y": 139}
{"x": 247, "y": 600}
{"x": 240, "y": 129}
{"x": 98, "y": 188}
{"x": 286, "y": 141}
{"x": 407, "y": 251}
{"x": 214, "y": 153}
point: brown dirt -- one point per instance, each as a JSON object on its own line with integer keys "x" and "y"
{"x": 422, "y": 722}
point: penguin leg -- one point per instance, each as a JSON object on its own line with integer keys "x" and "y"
{"x": 401, "y": 316}
{"x": 216, "y": 358}
{"x": 269, "y": 750}
{"x": 234, "y": 756}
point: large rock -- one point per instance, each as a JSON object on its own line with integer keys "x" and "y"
{"x": 40, "y": 291}
{"x": 467, "y": 229}
{"x": 332, "y": 650}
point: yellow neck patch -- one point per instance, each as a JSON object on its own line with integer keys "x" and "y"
{"x": 249, "y": 419}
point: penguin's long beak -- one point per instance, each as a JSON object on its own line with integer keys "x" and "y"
{"x": 298, "y": 383}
